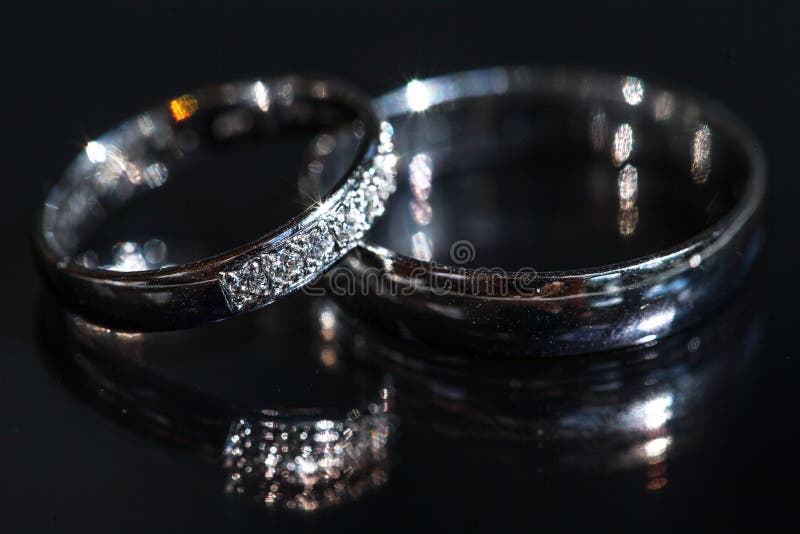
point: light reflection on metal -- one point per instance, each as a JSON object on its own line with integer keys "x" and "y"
{"x": 95, "y": 151}
{"x": 623, "y": 144}
{"x": 627, "y": 191}
{"x": 320, "y": 90}
{"x": 129, "y": 256}
{"x": 657, "y": 482}
{"x": 155, "y": 175}
{"x": 154, "y": 252}
{"x": 422, "y": 246}
{"x": 146, "y": 124}
{"x": 328, "y": 356}
{"x": 327, "y": 324}
{"x": 417, "y": 96}
{"x": 701, "y": 154}
{"x": 627, "y": 220}
{"x": 123, "y": 340}
{"x": 633, "y": 90}
{"x": 183, "y": 107}
{"x": 324, "y": 145}
{"x": 112, "y": 164}
{"x": 389, "y": 163}
{"x": 658, "y": 321}
{"x": 628, "y": 186}
{"x": 420, "y": 173}
{"x": 656, "y": 448}
{"x": 421, "y": 212}
{"x": 649, "y": 414}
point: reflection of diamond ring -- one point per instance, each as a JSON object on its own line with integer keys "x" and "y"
{"x": 308, "y": 453}
{"x": 139, "y": 154}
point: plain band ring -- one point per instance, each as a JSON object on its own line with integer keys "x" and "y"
{"x": 129, "y": 160}
{"x": 557, "y": 313}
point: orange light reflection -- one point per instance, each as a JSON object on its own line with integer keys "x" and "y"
{"x": 183, "y": 107}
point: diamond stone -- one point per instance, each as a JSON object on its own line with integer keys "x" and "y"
{"x": 233, "y": 289}
{"x": 303, "y": 255}
{"x": 251, "y": 281}
{"x": 288, "y": 267}
{"x": 320, "y": 245}
{"x": 375, "y": 206}
{"x": 349, "y": 220}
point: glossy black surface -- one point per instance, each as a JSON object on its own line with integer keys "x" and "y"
{"x": 73, "y": 462}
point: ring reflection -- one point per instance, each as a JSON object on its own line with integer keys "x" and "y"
{"x": 321, "y": 437}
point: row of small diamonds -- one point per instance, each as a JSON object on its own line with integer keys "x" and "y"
{"x": 290, "y": 463}
{"x": 305, "y": 254}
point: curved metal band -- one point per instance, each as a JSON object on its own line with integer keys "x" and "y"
{"x": 130, "y": 159}
{"x": 574, "y": 311}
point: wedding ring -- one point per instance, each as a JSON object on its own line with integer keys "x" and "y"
{"x": 668, "y": 208}
{"x": 139, "y": 155}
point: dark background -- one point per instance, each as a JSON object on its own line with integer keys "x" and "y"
{"x": 70, "y": 71}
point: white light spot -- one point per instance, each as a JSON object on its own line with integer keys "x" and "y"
{"x": 324, "y": 424}
{"x": 656, "y": 412}
{"x": 657, "y": 321}
{"x": 96, "y": 152}
{"x": 417, "y": 96}
{"x": 633, "y": 90}
{"x": 389, "y": 163}
{"x": 695, "y": 260}
{"x": 420, "y": 172}
{"x": 656, "y": 448}
{"x": 650, "y": 414}
{"x": 623, "y": 144}
{"x": 327, "y": 324}
{"x": 628, "y": 184}
{"x": 127, "y": 257}
{"x": 701, "y": 154}
{"x": 261, "y": 96}
{"x": 422, "y": 246}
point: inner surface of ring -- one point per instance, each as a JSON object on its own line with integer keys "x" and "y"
{"x": 225, "y": 163}
{"x": 555, "y": 179}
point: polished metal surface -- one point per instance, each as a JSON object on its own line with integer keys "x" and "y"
{"x": 655, "y": 190}
{"x": 138, "y": 289}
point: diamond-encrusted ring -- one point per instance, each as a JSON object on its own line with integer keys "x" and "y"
{"x": 140, "y": 154}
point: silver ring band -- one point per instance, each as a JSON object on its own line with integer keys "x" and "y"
{"x": 561, "y": 312}
{"x": 136, "y": 156}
